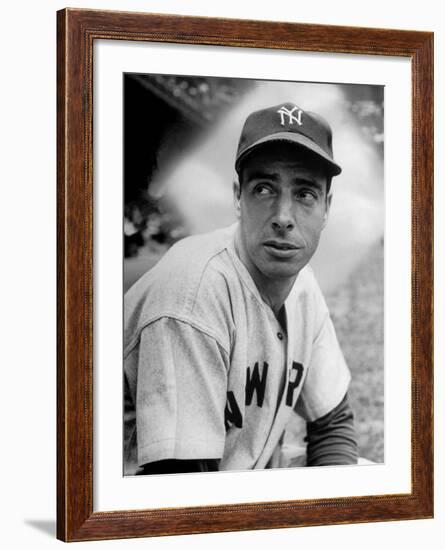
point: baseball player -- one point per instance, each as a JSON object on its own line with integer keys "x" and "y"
{"x": 228, "y": 340}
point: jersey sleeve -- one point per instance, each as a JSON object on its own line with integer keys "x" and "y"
{"x": 328, "y": 376}
{"x": 181, "y": 393}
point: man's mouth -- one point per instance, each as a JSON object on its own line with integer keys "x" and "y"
{"x": 281, "y": 250}
{"x": 281, "y": 245}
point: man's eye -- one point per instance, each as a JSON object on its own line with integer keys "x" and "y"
{"x": 263, "y": 190}
{"x": 307, "y": 197}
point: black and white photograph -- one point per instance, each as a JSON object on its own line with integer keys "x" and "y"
{"x": 223, "y": 275}
{"x": 253, "y": 267}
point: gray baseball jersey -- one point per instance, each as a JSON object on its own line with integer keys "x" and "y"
{"x": 209, "y": 372}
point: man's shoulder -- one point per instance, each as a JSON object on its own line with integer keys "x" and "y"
{"x": 307, "y": 292}
{"x": 170, "y": 289}
{"x": 306, "y": 282}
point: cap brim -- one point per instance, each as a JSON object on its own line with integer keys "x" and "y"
{"x": 298, "y": 139}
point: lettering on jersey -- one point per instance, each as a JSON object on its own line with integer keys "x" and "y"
{"x": 293, "y": 384}
{"x": 232, "y": 414}
{"x": 256, "y": 383}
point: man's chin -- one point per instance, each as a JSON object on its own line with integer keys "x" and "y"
{"x": 282, "y": 271}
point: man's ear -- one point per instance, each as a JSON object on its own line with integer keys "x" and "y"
{"x": 328, "y": 207}
{"x": 237, "y": 198}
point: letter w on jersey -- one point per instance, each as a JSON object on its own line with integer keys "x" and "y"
{"x": 256, "y": 383}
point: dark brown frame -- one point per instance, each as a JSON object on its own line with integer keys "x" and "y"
{"x": 76, "y": 32}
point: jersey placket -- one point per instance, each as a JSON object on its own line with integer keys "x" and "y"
{"x": 282, "y": 412}
{"x": 285, "y": 410}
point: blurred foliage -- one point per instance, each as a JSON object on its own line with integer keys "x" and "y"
{"x": 146, "y": 222}
{"x": 357, "y": 309}
{"x": 203, "y": 98}
{"x": 369, "y": 114}
{"x": 196, "y": 100}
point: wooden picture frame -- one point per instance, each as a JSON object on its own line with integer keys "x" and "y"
{"x": 76, "y": 32}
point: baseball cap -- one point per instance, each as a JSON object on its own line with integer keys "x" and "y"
{"x": 287, "y": 122}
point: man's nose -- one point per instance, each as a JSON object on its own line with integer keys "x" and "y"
{"x": 283, "y": 218}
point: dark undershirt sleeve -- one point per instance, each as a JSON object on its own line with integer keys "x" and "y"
{"x": 331, "y": 439}
{"x": 179, "y": 466}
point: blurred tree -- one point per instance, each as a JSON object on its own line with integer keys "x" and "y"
{"x": 163, "y": 116}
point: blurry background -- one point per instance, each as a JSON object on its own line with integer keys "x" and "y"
{"x": 181, "y": 134}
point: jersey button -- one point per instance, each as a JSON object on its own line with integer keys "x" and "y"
{"x": 280, "y": 335}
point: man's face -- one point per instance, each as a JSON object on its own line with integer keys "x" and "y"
{"x": 282, "y": 208}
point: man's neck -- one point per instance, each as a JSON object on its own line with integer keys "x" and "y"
{"x": 273, "y": 291}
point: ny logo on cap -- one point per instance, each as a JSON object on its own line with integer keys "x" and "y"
{"x": 285, "y": 112}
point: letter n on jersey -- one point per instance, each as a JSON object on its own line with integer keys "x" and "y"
{"x": 232, "y": 414}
